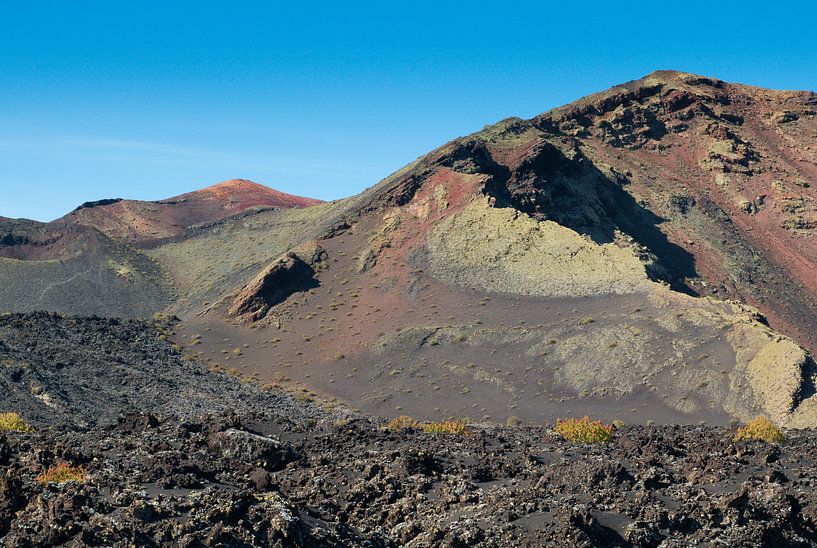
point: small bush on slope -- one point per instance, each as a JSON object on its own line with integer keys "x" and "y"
{"x": 62, "y": 473}
{"x": 444, "y": 427}
{"x": 584, "y": 430}
{"x": 434, "y": 427}
{"x": 760, "y": 429}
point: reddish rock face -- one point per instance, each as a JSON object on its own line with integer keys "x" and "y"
{"x": 731, "y": 173}
{"x": 717, "y": 180}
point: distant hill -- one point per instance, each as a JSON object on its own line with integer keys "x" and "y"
{"x": 89, "y": 261}
{"x": 146, "y": 222}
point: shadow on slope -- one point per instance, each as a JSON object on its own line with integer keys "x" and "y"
{"x": 577, "y": 194}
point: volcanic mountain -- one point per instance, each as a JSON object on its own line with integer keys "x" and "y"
{"x": 617, "y": 257}
{"x": 88, "y": 262}
{"x": 145, "y": 222}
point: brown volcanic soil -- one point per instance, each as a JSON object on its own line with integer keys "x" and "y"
{"x": 431, "y": 350}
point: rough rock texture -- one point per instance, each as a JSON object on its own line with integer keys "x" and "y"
{"x": 164, "y": 482}
{"x": 256, "y": 468}
{"x": 728, "y": 169}
{"x": 292, "y": 273}
{"x": 82, "y": 372}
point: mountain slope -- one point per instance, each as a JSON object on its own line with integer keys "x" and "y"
{"x": 547, "y": 266}
{"x": 730, "y": 169}
{"x": 572, "y": 263}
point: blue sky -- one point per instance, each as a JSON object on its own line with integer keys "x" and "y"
{"x": 151, "y": 99}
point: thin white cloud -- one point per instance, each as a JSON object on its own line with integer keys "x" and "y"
{"x": 125, "y": 151}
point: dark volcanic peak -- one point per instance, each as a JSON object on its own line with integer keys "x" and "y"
{"x": 97, "y": 203}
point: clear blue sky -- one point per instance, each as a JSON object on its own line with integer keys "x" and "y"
{"x": 150, "y": 99}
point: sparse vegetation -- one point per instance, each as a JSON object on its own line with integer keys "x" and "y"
{"x": 62, "y": 473}
{"x": 404, "y": 422}
{"x": 513, "y": 421}
{"x": 760, "y": 429}
{"x": 584, "y": 430}
{"x": 12, "y": 422}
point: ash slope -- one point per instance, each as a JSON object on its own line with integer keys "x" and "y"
{"x": 270, "y": 471}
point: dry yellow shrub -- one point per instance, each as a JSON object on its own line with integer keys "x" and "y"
{"x": 584, "y": 430}
{"x": 61, "y": 473}
{"x": 12, "y": 422}
{"x": 760, "y": 429}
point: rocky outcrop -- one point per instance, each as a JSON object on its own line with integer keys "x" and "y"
{"x": 267, "y": 453}
{"x": 292, "y": 273}
{"x": 502, "y": 251}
